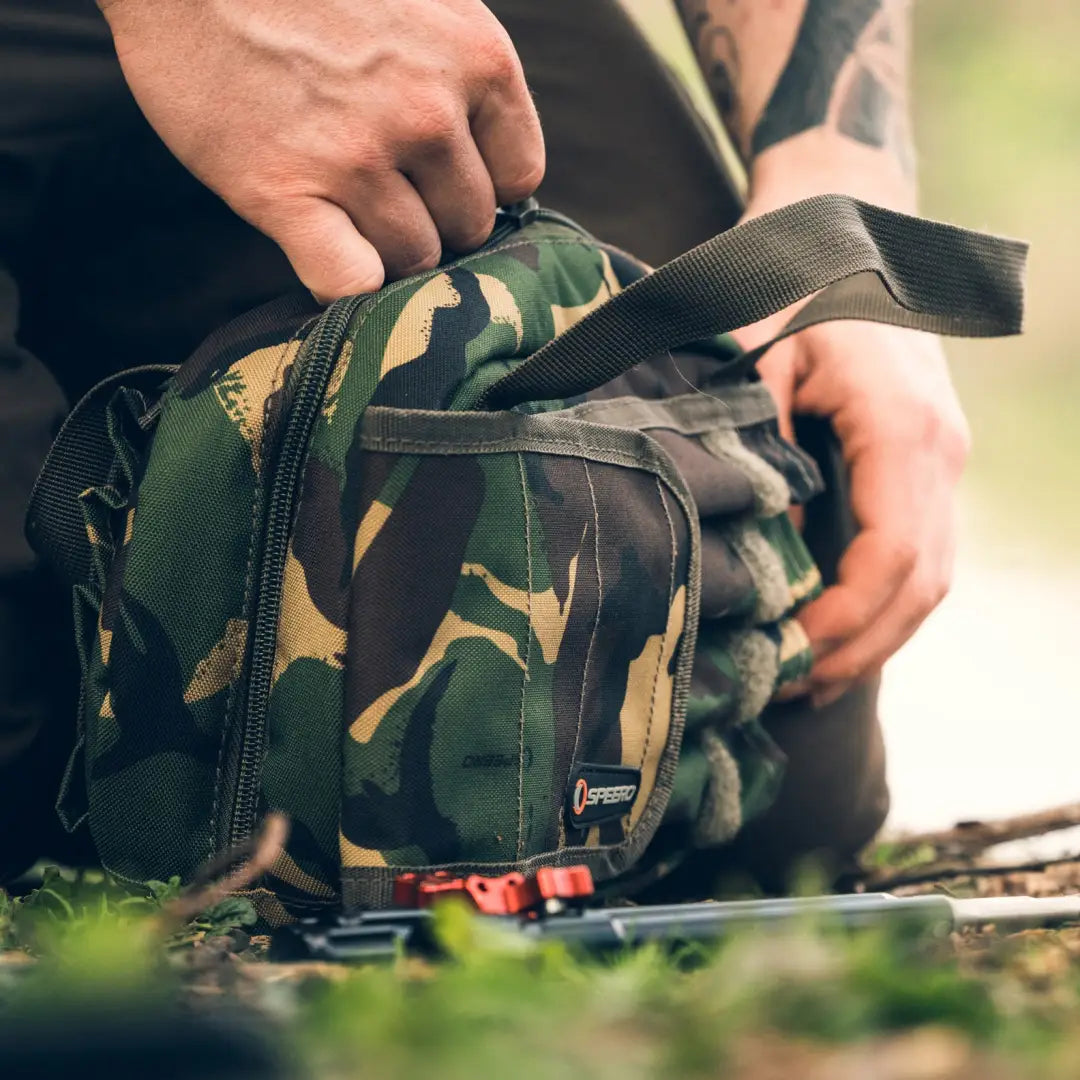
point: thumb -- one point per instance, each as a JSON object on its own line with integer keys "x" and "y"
{"x": 329, "y": 256}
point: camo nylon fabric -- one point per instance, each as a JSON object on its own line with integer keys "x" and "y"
{"x": 471, "y": 602}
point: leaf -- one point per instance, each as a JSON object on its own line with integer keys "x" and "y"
{"x": 164, "y": 891}
{"x": 229, "y": 914}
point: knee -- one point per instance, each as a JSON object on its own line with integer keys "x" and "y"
{"x": 834, "y": 797}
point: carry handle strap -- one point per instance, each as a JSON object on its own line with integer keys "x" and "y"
{"x": 874, "y": 264}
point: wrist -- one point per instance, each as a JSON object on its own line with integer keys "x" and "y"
{"x": 820, "y": 162}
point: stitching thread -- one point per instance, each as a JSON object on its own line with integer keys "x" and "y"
{"x": 592, "y": 637}
{"x": 663, "y": 640}
{"x": 528, "y": 655}
{"x": 404, "y": 446}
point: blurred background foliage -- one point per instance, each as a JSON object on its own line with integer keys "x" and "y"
{"x": 996, "y": 97}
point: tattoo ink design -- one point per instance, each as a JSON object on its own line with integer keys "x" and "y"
{"x": 827, "y": 37}
{"x": 870, "y": 103}
{"x": 846, "y": 71}
{"x": 863, "y": 110}
{"x": 713, "y": 38}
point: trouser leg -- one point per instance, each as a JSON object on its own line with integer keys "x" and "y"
{"x": 38, "y": 681}
{"x": 835, "y": 797}
{"x": 111, "y": 255}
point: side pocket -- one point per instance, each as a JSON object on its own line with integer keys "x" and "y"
{"x": 523, "y": 609}
{"x": 756, "y": 573}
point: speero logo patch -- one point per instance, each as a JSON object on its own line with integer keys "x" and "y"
{"x": 599, "y": 793}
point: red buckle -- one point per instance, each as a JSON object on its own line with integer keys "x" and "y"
{"x": 510, "y": 894}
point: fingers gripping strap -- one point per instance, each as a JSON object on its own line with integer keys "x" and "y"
{"x": 912, "y": 272}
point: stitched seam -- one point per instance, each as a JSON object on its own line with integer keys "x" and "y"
{"x": 396, "y": 446}
{"x": 249, "y": 585}
{"x": 592, "y": 636}
{"x": 681, "y": 413}
{"x": 663, "y": 640}
{"x": 528, "y": 654}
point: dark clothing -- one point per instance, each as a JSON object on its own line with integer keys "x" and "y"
{"x": 112, "y": 255}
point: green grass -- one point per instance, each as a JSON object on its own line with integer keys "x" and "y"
{"x": 807, "y": 995}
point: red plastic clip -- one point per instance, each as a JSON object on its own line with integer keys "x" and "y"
{"x": 510, "y": 894}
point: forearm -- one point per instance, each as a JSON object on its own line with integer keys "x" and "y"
{"x": 813, "y": 92}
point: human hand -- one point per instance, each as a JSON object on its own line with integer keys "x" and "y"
{"x": 361, "y": 135}
{"x": 891, "y": 402}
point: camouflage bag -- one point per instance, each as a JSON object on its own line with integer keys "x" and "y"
{"x": 474, "y": 573}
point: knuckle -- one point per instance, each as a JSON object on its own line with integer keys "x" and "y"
{"x": 926, "y": 422}
{"x": 930, "y": 590}
{"x": 940, "y": 429}
{"x": 259, "y": 198}
{"x": 498, "y": 61}
{"x": 905, "y": 556}
{"x": 956, "y": 442}
{"x": 433, "y": 122}
{"x": 368, "y": 161}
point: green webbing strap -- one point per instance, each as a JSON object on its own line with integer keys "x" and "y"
{"x": 882, "y": 266}
{"x": 81, "y": 457}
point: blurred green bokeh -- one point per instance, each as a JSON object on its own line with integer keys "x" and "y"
{"x": 996, "y": 89}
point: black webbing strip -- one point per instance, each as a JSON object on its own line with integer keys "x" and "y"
{"x": 927, "y": 276}
{"x": 82, "y": 454}
{"x": 81, "y": 457}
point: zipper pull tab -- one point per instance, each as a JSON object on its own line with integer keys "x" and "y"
{"x": 521, "y": 213}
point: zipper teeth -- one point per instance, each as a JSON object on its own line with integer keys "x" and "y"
{"x": 299, "y": 421}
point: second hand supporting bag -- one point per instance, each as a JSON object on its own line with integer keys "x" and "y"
{"x": 487, "y": 571}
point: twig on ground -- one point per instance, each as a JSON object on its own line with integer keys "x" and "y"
{"x": 971, "y": 837}
{"x": 928, "y": 873}
{"x": 265, "y": 849}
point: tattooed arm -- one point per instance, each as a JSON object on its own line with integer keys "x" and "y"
{"x": 814, "y": 93}
{"x": 815, "y": 90}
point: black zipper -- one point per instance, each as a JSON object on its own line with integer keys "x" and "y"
{"x": 315, "y": 365}
{"x": 511, "y": 219}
